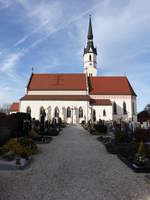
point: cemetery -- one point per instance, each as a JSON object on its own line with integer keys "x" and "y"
{"x": 20, "y": 136}
{"x": 74, "y": 80}
{"x": 132, "y": 146}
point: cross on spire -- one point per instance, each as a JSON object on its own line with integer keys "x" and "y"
{"x": 32, "y": 69}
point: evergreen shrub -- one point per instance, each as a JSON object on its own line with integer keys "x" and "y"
{"x": 23, "y": 147}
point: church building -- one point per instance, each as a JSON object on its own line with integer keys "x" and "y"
{"x": 80, "y": 96}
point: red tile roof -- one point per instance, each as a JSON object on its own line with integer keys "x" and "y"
{"x": 57, "y": 82}
{"x": 100, "y": 102}
{"x": 55, "y": 97}
{"x": 14, "y": 107}
{"x": 110, "y": 86}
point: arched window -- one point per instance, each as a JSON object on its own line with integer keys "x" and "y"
{"x": 124, "y": 108}
{"x": 57, "y": 112}
{"x": 90, "y": 57}
{"x": 68, "y": 112}
{"x": 80, "y": 112}
{"x": 42, "y": 111}
{"x": 114, "y": 108}
{"x": 104, "y": 112}
{"x": 28, "y": 110}
{"x": 94, "y": 115}
{"x": 42, "y": 115}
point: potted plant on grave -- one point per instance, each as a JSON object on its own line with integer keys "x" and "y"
{"x": 139, "y": 161}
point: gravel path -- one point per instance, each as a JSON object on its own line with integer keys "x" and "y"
{"x": 74, "y": 166}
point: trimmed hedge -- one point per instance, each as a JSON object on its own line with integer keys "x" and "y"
{"x": 5, "y": 134}
{"x": 15, "y": 122}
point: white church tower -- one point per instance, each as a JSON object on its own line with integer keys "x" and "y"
{"x": 90, "y": 54}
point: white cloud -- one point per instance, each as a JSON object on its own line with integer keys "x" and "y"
{"x": 10, "y": 61}
{"x": 121, "y": 32}
{"x": 118, "y": 27}
{"x": 50, "y": 17}
{"x": 22, "y": 40}
{"x": 42, "y": 18}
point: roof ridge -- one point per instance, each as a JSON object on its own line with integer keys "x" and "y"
{"x": 59, "y": 73}
{"x": 109, "y": 76}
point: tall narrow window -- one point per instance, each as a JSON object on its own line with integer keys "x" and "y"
{"x": 42, "y": 110}
{"x": 42, "y": 115}
{"x": 28, "y": 110}
{"x": 124, "y": 108}
{"x": 114, "y": 108}
{"x": 104, "y": 112}
{"x": 68, "y": 112}
{"x": 80, "y": 112}
{"x": 133, "y": 111}
{"x": 56, "y": 112}
{"x": 94, "y": 115}
{"x": 90, "y": 57}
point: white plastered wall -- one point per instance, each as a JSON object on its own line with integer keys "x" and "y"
{"x": 90, "y": 66}
{"x": 12, "y": 112}
{"x": 134, "y": 110}
{"x": 99, "y": 112}
{"x": 49, "y": 106}
{"x": 119, "y": 99}
{"x": 58, "y": 92}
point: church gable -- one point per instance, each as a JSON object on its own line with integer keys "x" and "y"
{"x": 14, "y": 107}
{"x": 57, "y": 82}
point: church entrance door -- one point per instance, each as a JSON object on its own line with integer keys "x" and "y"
{"x": 73, "y": 116}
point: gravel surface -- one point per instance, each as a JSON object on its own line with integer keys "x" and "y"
{"x": 74, "y": 166}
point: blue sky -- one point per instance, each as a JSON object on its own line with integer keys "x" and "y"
{"x": 50, "y": 35}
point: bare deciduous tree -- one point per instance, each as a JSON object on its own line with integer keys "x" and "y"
{"x": 5, "y": 108}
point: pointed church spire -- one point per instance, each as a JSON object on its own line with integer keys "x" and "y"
{"x": 90, "y": 32}
{"x": 90, "y": 44}
{"x": 90, "y": 53}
